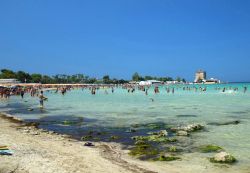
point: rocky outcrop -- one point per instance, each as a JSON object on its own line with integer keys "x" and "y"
{"x": 223, "y": 157}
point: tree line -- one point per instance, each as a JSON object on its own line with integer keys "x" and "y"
{"x": 25, "y": 77}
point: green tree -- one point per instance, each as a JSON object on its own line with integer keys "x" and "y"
{"x": 148, "y": 77}
{"x": 7, "y": 74}
{"x": 136, "y": 77}
{"x": 47, "y": 80}
{"x": 92, "y": 80}
{"x": 36, "y": 78}
{"x": 106, "y": 79}
{"x": 178, "y": 79}
{"x": 23, "y": 76}
{"x": 122, "y": 81}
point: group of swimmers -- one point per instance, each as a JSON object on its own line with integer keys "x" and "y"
{"x": 6, "y": 92}
{"x": 37, "y": 91}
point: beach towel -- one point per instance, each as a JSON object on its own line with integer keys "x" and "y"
{"x": 6, "y": 152}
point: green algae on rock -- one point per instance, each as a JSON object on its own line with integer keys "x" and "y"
{"x": 173, "y": 149}
{"x": 167, "y": 158}
{"x": 146, "y": 150}
{"x": 154, "y": 138}
{"x": 68, "y": 123}
{"x": 87, "y": 137}
{"x": 210, "y": 148}
{"x": 155, "y": 125}
{"x": 114, "y": 137}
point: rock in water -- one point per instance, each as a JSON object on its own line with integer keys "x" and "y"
{"x": 210, "y": 148}
{"x": 131, "y": 131}
{"x": 189, "y": 128}
{"x": 223, "y": 157}
{"x": 182, "y": 133}
{"x": 236, "y": 122}
{"x": 163, "y": 133}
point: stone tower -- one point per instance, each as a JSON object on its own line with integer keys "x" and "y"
{"x": 200, "y": 76}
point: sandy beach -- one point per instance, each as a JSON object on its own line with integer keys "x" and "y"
{"x": 38, "y": 151}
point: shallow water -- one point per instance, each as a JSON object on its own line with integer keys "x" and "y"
{"x": 115, "y": 113}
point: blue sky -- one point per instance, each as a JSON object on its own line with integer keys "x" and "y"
{"x": 119, "y": 37}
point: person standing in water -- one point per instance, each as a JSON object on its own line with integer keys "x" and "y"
{"x": 41, "y": 99}
{"x": 22, "y": 93}
{"x": 245, "y": 89}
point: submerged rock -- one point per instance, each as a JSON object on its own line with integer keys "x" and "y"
{"x": 136, "y": 125}
{"x": 173, "y": 149}
{"x": 140, "y": 142}
{"x": 131, "y": 131}
{"x": 189, "y": 128}
{"x": 236, "y": 122}
{"x": 143, "y": 149}
{"x": 114, "y": 137}
{"x": 96, "y": 139}
{"x": 154, "y": 138}
{"x": 185, "y": 116}
{"x": 32, "y": 124}
{"x": 223, "y": 157}
{"x": 210, "y": 148}
{"x": 167, "y": 158}
{"x": 69, "y": 123}
{"x": 163, "y": 133}
{"x": 155, "y": 126}
{"x": 182, "y": 133}
{"x": 139, "y": 138}
{"x": 86, "y": 138}
{"x": 160, "y": 133}
{"x": 157, "y": 138}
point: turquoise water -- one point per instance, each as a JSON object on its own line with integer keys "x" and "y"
{"x": 119, "y": 110}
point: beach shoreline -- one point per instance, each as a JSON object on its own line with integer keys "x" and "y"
{"x": 38, "y": 150}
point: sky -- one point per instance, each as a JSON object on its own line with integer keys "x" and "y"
{"x": 120, "y": 37}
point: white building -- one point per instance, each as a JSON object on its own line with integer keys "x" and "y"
{"x": 150, "y": 82}
{"x": 212, "y": 81}
{"x": 9, "y": 81}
